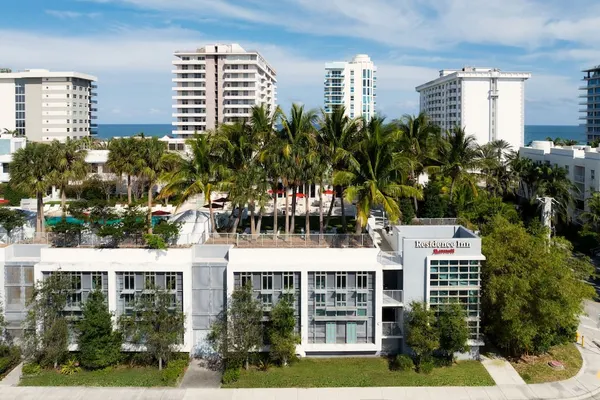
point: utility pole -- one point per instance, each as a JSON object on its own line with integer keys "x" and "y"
{"x": 546, "y": 203}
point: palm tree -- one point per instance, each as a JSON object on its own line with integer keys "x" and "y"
{"x": 458, "y": 157}
{"x": 155, "y": 161}
{"x": 297, "y": 136}
{"x": 337, "y": 135}
{"x": 30, "y": 171}
{"x": 492, "y": 157}
{"x": 193, "y": 174}
{"x": 124, "y": 159}
{"x": 70, "y": 166}
{"x": 374, "y": 174}
{"x": 593, "y": 215}
{"x": 553, "y": 181}
{"x": 419, "y": 140}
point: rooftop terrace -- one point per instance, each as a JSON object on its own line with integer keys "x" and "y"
{"x": 313, "y": 240}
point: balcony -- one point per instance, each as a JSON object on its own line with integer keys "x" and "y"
{"x": 580, "y": 178}
{"x": 393, "y": 298}
{"x": 390, "y": 258}
{"x": 391, "y": 330}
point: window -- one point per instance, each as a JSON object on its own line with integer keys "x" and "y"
{"x": 170, "y": 281}
{"x": 246, "y": 279}
{"x": 362, "y": 279}
{"x": 341, "y": 279}
{"x": 320, "y": 299}
{"x": 288, "y": 281}
{"x": 96, "y": 281}
{"x": 361, "y": 299}
{"x": 267, "y": 299}
{"x": 320, "y": 279}
{"x": 593, "y": 174}
{"x": 267, "y": 281}
{"x": 129, "y": 281}
{"x": 149, "y": 280}
{"x": 340, "y": 299}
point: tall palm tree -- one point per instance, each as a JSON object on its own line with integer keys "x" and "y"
{"x": 592, "y": 216}
{"x": 458, "y": 157}
{"x": 156, "y": 160}
{"x": 298, "y": 135}
{"x": 30, "y": 171}
{"x": 70, "y": 166}
{"x": 553, "y": 181}
{"x": 124, "y": 159}
{"x": 374, "y": 174}
{"x": 337, "y": 135}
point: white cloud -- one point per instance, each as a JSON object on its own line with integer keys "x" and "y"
{"x": 65, "y": 14}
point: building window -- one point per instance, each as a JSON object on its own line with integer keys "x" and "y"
{"x": 267, "y": 281}
{"x": 593, "y": 174}
{"x": 97, "y": 281}
{"x": 340, "y": 299}
{"x": 129, "y": 281}
{"x": 341, "y": 279}
{"x": 361, "y": 299}
{"x": 246, "y": 279}
{"x": 288, "y": 281}
{"x": 267, "y": 299}
{"x": 362, "y": 280}
{"x": 320, "y": 299}
{"x": 320, "y": 279}
{"x": 149, "y": 280}
{"x": 170, "y": 281}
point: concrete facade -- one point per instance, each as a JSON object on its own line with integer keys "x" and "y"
{"x": 219, "y": 83}
{"x": 590, "y": 100}
{"x": 488, "y": 103}
{"x": 46, "y": 106}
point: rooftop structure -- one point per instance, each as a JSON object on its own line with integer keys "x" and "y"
{"x": 219, "y": 83}
{"x": 45, "y": 105}
{"x": 486, "y": 102}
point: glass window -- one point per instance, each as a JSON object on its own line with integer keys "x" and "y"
{"x": 288, "y": 280}
{"x": 96, "y": 281}
{"x": 267, "y": 281}
{"x": 320, "y": 299}
{"x": 340, "y": 299}
{"x": 362, "y": 279}
{"x": 149, "y": 280}
{"x": 129, "y": 281}
{"x": 341, "y": 280}
{"x": 361, "y": 299}
{"x": 246, "y": 279}
{"x": 267, "y": 299}
{"x": 170, "y": 281}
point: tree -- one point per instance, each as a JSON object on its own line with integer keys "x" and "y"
{"x": 283, "y": 331}
{"x": 532, "y": 288}
{"x": 4, "y": 339}
{"x": 458, "y": 158}
{"x": 99, "y": 345}
{"x": 69, "y": 165}
{"x": 407, "y": 211}
{"x": 46, "y": 330}
{"x": 453, "y": 330}
{"x": 157, "y": 323}
{"x": 30, "y": 171}
{"x": 11, "y": 219}
{"x": 124, "y": 159}
{"x": 374, "y": 175}
{"x": 155, "y": 160}
{"x": 422, "y": 335}
{"x": 238, "y": 329}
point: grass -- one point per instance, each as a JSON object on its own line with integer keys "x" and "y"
{"x": 360, "y": 372}
{"x": 119, "y": 376}
{"x": 537, "y": 370}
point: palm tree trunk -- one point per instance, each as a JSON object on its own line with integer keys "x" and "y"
{"x": 213, "y": 227}
{"x": 149, "y": 208}
{"x": 128, "y": 189}
{"x": 321, "y": 208}
{"x": 63, "y": 202}
{"x": 292, "y": 222}
{"x": 252, "y": 226}
{"x": 415, "y": 182}
{"x": 275, "y": 211}
{"x": 344, "y": 223}
{"x": 358, "y": 227}
{"x": 452, "y": 189}
{"x": 259, "y": 222}
{"x": 237, "y": 219}
{"x": 40, "y": 215}
{"x": 307, "y": 215}
{"x": 330, "y": 210}
{"x": 287, "y": 211}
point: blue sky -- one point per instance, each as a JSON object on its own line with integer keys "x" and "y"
{"x": 128, "y": 45}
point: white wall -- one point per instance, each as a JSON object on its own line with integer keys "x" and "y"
{"x": 511, "y": 118}
{"x": 476, "y": 108}
{"x": 7, "y": 105}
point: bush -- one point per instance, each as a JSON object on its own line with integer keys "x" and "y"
{"x": 141, "y": 359}
{"x": 403, "y": 362}
{"x": 174, "y": 370}
{"x": 155, "y": 242}
{"x": 31, "y": 369}
{"x": 71, "y": 367}
{"x": 230, "y": 376}
{"x": 10, "y": 356}
{"x": 426, "y": 367}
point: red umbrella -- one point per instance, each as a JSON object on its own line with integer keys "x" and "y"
{"x": 278, "y": 192}
{"x": 4, "y": 201}
{"x": 160, "y": 213}
{"x": 328, "y": 191}
{"x": 301, "y": 195}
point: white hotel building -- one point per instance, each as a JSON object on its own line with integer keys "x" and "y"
{"x": 219, "y": 83}
{"x": 350, "y": 293}
{"x": 46, "y": 106}
{"x": 353, "y": 85}
{"x": 488, "y": 103}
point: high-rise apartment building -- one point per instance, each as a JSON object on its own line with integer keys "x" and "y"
{"x": 591, "y": 101}
{"x": 217, "y": 84}
{"x": 46, "y": 106}
{"x": 488, "y": 103}
{"x": 353, "y": 85}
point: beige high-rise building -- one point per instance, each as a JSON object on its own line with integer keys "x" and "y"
{"x": 219, "y": 83}
{"x": 46, "y": 106}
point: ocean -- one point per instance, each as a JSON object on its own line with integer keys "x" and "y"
{"x": 532, "y": 132}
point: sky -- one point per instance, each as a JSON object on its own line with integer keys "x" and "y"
{"x": 129, "y": 45}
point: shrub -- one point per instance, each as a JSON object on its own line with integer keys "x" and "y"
{"x": 10, "y": 356}
{"x": 155, "y": 242}
{"x": 426, "y": 367}
{"x": 230, "y": 375}
{"x": 264, "y": 365}
{"x": 71, "y": 367}
{"x": 31, "y": 369}
{"x": 403, "y": 362}
{"x": 173, "y": 371}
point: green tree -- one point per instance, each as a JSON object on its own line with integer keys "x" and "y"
{"x": 124, "y": 159}
{"x": 532, "y": 288}
{"x": 283, "y": 331}
{"x": 422, "y": 335}
{"x": 453, "y": 330}
{"x": 238, "y": 329}
{"x": 99, "y": 345}
{"x": 11, "y": 219}
{"x": 30, "y": 171}
{"x": 157, "y": 323}
{"x": 46, "y": 330}
{"x": 155, "y": 160}
{"x": 592, "y": 216}
{"x": 4, "y": 339}
{"x": 69, "y": 165}
{"x": 407, "y": 211}
{"x": 459, "y": 159}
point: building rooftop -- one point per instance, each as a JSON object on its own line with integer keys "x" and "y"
{"x": 541, "y": 147}
{"x": 43, "y": 73}
{"x": 269, "y": 240}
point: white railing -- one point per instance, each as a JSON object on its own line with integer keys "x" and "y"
{"x": 396, "y": 295}
{"x": 389, "y": 258}
{"x": 391, "y": 329}
{"x": 314, "y": 239}
{"x": 435, "y": 221}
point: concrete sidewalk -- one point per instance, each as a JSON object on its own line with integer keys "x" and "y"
{"x": 501, "y": 371}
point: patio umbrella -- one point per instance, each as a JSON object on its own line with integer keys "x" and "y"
{"x": 222, "y": 200}
{"x": 214, "y": 205}
{"x": 328, "y": 191}
{"x": 160, "y": 213}
{"x": 300, "y": 195}
{"x": 270, "y": 191}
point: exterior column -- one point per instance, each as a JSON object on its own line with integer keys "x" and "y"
{"x": 303, "y": 308}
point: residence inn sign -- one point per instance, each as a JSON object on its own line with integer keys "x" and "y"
{"x": 442, "y": 244}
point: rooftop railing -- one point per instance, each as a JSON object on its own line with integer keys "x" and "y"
{"x": 269, "y": 240}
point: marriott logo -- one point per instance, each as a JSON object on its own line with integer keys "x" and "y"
{"x": 442, "y": 244}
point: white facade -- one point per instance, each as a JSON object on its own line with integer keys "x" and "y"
{"x": 46, "y": 106}
{"x": 217, "y": 84}
{"x": 351, "y": 84}
{"x": 488, "y": 103}
{"x": 581, "y": 162}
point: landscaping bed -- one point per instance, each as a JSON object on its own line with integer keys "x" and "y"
{"x": 536, "y": 369}
{"x": 359, "y": 372}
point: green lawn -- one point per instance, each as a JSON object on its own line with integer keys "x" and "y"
{"x": 121, "y": 376}
{"x": 353, "y": 372}
{"x": 537, "y": 370}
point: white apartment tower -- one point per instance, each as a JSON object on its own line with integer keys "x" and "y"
{"x": 219, "y": 83}
{"x": 46, "y": 106}
{"x": 351, "y": 84}
{"x": 488, "y": 103}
